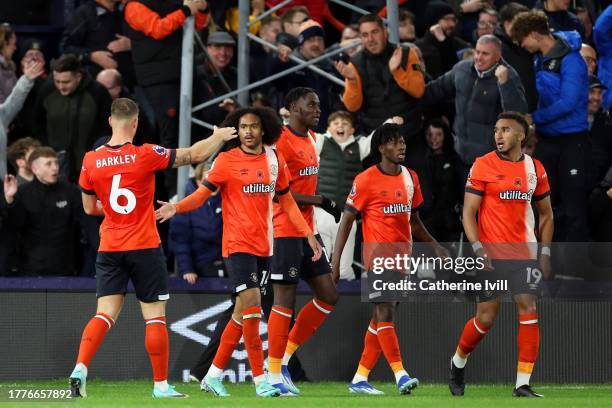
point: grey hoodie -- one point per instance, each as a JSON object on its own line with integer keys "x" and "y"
{"x": 8, "y": 110}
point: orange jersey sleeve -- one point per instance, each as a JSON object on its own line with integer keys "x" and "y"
{"x": 417, "y": 196}
{"x": 194, "y": 200}
{"x": 543, "y": 189}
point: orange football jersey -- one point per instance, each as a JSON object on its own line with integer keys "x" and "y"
{"x": 123, "y": 179}
{"x": 303, "y": 167}
{"x": 385, "y": 203}
{"x": 248, "y": 182}
{"x": 505, "y": 216}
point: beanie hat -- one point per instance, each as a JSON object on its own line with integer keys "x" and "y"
{"x": 309, "y": 29}
{"x": 435, "y": 11}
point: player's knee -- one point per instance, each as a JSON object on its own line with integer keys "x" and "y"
{"x": 486, "y": 318}
{"x": 384, "y": 312}
{"x": 330, "y": 297}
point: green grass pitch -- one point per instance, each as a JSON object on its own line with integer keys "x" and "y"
{"x": 117, "y": 394}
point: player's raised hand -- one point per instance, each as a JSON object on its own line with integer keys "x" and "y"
{"x": 165, "y": 212}
{"x": 316, "y": 247}
{"x": 226, "y": 133}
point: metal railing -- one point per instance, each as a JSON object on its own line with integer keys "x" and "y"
{"x": 186, "y": 109}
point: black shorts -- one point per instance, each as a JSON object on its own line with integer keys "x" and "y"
{"x": 145, "y": 267}
{"x": 292, "y": 260}
{"x": 247, "y": 271}
{"x": 519, "y": 277}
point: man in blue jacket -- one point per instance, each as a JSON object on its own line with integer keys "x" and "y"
{"x": 602, "y": 34}
{"x": 561, "y": 118}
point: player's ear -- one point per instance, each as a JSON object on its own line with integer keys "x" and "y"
{"x": 110, "y": 121}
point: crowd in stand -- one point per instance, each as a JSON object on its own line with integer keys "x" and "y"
{"x": 457, "y": 66}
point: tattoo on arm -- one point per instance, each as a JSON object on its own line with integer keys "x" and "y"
{"x": 182, "y": 160}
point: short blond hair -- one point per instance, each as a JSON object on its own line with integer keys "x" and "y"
{"x": 124, "y": 108}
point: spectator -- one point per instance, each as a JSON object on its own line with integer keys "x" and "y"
{"x": 260, "y": 55}
{"x": 482, "y": 89}
{"x": 23, "y": 125}
{"x": 44, "y": 213}
{"x": 518, "y": 58}
{"x": 469, "y": 12}
{"x": 438, "y": 185}
{"x": 8, "y": 45}
{"x": 600, "y": 133}
{"x": 312, "y": 8}
{"x": 406, "y": 28}
{"x": 350, "y": 35}
{"x": 311, "y": 41}
{"x": 209, "y": 84}
{"x": 487, "y": 23}
{"x": 589, "y": 55}
{"x": 8, "y": 110}
{"x": 95, "y": 33}
{"x": 559, "y": 16}
{"x": 112, "y": 80}
{"x": 291, "y": 21}
{"x": 382, "y": 80}
{"x": 12, "y": 105}
{"x": 440, "y": 45}
{"x": 585, "y": 18}
{"x": 195, "y": 237}
{"x": 340, "y": 160}
{"x": 71, "y": 113}
{"x": 232, "y": 16}
{"x": 18, "y": 155}
{"x": 531, "y": 143}
{"x": 561, "y": 118}
{"x": 602, "y": 36}
{"x": 155, "y": 29}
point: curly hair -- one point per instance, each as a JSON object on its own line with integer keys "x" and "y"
{"x": 384, "y": 134}
{"x": 270, "y": 123}
{"x": 529, "y": 22}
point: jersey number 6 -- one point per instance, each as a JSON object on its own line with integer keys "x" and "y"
{"x": 117, "y": 192}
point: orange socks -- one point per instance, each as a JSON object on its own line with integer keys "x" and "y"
{"x": 370, "y": 355}
{"x": 312, "y": 315}
{"x": 251, "y": 316}
{"x": 93, "y": 334}
{"x": 278, "y": 329}
{"x": 473, "y": 332}
{"x": 229, "y": 340}
{"x": 157, "y": 345}
{"x": 390, "y": 347}
{"x": 528, "y": 346}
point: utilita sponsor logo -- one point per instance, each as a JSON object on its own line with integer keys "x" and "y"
{"x": 258, "y": 188}
{"x": 309, "y": 171}
{"x": 396, "y": 208}
{"x": 516, "y": 195}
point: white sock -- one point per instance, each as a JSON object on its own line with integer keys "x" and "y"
{"x": 274, "y": 378}
{"x": 82, "y": 367}
{"x": 358, "y": 378}
{"x": 161, "y": 385}
{"x": 286, "y": 358}
{"x": 259, "y": 379}
{"x": 459, "y": 361}
{"x": 522, "y": 379}
{"x": 399, "y": 374}
{"x": 214, "y": 371}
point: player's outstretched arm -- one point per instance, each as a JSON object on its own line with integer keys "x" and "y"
{"x": 290, "y": 207}
{"x": 91, "y": 205}
{"x": 187, "y": 204}
{"x": 471, "y": 204}
{"x": 546, "y": 229}
{"x": 203, "y": 149}
{"x": 344, "y": 230}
